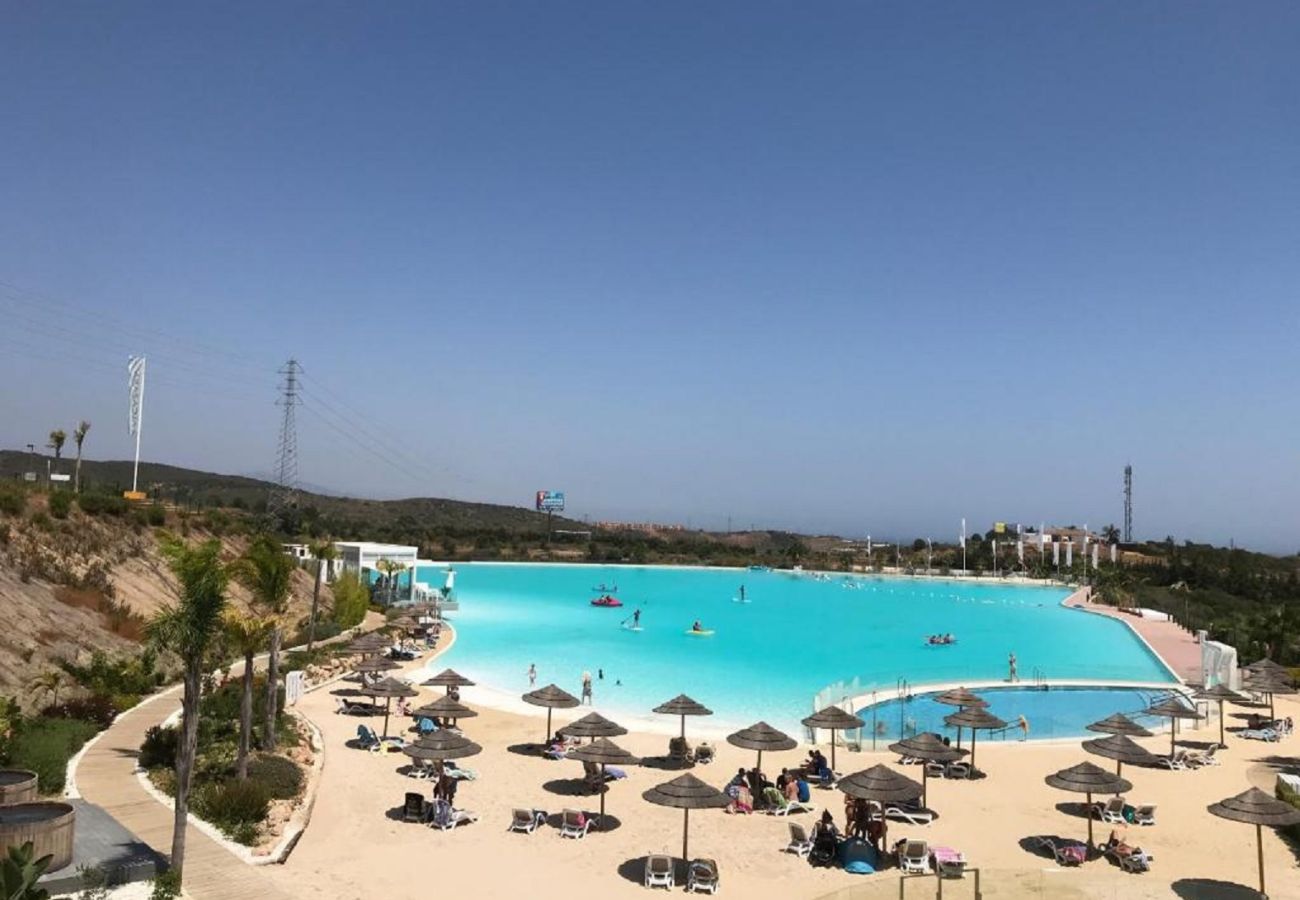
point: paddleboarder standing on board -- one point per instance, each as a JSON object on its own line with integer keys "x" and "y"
{"x": 742, "y": 593}
{"x": 636, "y": 619}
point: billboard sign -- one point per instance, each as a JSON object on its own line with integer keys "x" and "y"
{"x": 550, "y": 501}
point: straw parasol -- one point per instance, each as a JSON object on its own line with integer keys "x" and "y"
{"x": 683, "y": 706}
{"x": 1220, "y": 692}
{"x": 930, "y": 747}
{"x": 1086, "y": 778}
{"x": 388, "y": 688}
{"x": 761, "y": 736}
{"x": 606, "y": 752}
{"x": 1172, "y": 710}
{"x": 441, "y": 746}
{"x": 961, "y": 698}
{"x": 1122, "y": 749}
{"x": 686, "y": 792}
{"x": 974, "y": 717}
{"x": 406, "y": 623}
{"x": 881, "y": 784}
{"x": 1266, "y": 666}
{"x": 1119, "y": 724}
{"x": 593, "y": 725}
{"x": 374, "y": 642}
{"x": 444, "y": 708}
{"x": 1254, "y": 807}
{"x": 833, "y": 719}
{"x": 552, "y": 698}
{"x": 449, "y": 679}
{"x": 1270, "y": 683}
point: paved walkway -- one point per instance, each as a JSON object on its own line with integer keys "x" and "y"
{"x": 106, "y": 777}
{"x": 1170, "y": 641}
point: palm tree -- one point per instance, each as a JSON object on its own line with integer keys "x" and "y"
{"x": 324, "y": 552}
{"x": 391, "y": 568}
{"x": 267, "y": 571}
{"x": 58, "y": 437}
{"x": 189, "y": 629}
{"x": 79, "y": 435}
{"x": 49, "y": 682}
{"x": 1110, "y": 534}
{"x": 246, "y": 635}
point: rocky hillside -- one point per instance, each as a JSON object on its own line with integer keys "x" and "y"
{"x": 72, "y": 586}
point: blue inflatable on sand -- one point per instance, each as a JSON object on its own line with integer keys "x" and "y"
{"x": 858, "y": 857}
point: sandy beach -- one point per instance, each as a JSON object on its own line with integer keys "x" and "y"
{"x": 357, "y": 846}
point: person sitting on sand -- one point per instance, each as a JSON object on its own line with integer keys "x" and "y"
{"x": 742, "y": 802}
{"x": 825, "y": 828}
{"x": 791, "y": 790}
{"x": 737, "y": 780}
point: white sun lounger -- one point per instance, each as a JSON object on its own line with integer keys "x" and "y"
{"x": 911, "y": 815}
{"x": 659, "y": 871}
{"x": 799, "y": 844}
{"x": 526, "y": 820}
{"x": 915, "y": 857}
{"x": 574, "y": 824}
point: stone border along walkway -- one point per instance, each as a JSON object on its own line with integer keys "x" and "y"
{"x": 105, "y": 776}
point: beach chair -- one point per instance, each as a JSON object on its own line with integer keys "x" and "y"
{"x": 574, "y": 824}
{"x": 368, "y": 740}
{"x": 936, "y": 769}
{"x": 413, "y": 807}
{"x": 914, "y": 857}
{"x": 526, "y": 820}
{"x": 679, "y": 751}
{"x": 948, "y": 863}
{"x": 659, "y": 871}
{"x": 1067, "y": 854}
{"x": 704, "y": 753}
{"x": 1177, "y": 762}
{"x": 418, "y": 769}
{"x": 1259, "y": 734}
{"x": 702, "y": 875}
{"x": 913, "y": 815}
{"x": 1144, "y": 815}
{"x": 957, "y": 769}
{"x": 1208, "y": 758}
{"x": 778, "y": 805}
{"x": 799, "y": 844}
{"x": 1111, "y": 811}
{"x": 347, "y": 708}
{"x": 445, "y": 817}
{"x": 907, "y": 760}
{"x": 451, "y": 770}
{"x": 1136, "y": 863}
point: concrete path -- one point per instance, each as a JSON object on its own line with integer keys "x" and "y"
{"x": 106, "y": 777}
{"x": 1173, "y": 643}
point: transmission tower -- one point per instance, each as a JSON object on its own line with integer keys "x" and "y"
{"x": 1128, "y": 504}
{"x": 285, "y": 493}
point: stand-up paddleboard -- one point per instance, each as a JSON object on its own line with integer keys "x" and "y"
{"x": 707, "y": 632}
{"x": 630, "y": 627}
{"x": 741, "y": 600}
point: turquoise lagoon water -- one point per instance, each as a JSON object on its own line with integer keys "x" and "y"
{"x": 768, "y": 657}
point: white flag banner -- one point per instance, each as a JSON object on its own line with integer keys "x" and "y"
{"x": 1020, "y": 551}
{"x": 1095, "y": 549}
{"x": 1056, "y": 553}
{"x": 1112, "y": 553}
{"x": 135, "y": 373}
{"x": 1069, "y": 554}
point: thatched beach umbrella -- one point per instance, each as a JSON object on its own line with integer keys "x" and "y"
{"x": 443, "y": 709}
{"x": 448, "y": 679}
{"x": 1122, "y": 749}
{"x": 683, "y": 706}
{"x": 962, "y": 699}
{"x": 552, "y": 698}
{"x": 1270, "y": 684}
{"x": 1267, "y": 667}
{"x": 761, "y": 736}
{"x": 376, "y": 664}
{"x": 1220, "y": 692}
{"x": 1086, "y": 778}
{"x": 373, "y": 642}
{"x": 406, "y": 623}
{"x": 441, "y": 746}
{"x": 1172, "y": 710}
{"x": 930, "y": 747}
{"x": 881, "y": 784}
{"x": 974, "y": 717}
{"x": 605, "y": 752}
{"x": 592, "y": 725}
{"x": 833, "y": 719}
{"x": 1254, "y": 807}
{"x": 1119, "y": 724}
{"x": 686, "y": 792}
{"x": 388, "y": 689}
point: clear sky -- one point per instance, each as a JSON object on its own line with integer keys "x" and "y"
{"x": 854, "y": 267}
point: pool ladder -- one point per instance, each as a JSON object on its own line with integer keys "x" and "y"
{"x": 1040, "y": 679}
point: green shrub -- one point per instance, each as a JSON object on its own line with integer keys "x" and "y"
{"x": 159, "y": 748}
{"x": 41, "y": 520}
{"x": 13, "y": 502}
{"x": 45, "y": 746}
{"x": 122, "y": 676}
{"x": 98, "y": 709}
{"x": 236, "y": 807}
{"x": 166, "y": 885}
{"x": 280, "y": 776}
{"x": 102, "y": 504}
{"x": 351, "y": 600}
{"x": 60, "y": 503}
{"x": 1287, "y": 795}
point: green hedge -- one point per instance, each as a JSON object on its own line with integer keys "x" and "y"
{"x": 236, "y": 807}
{"x": 46, "y": 745}
{"x": 1284, "y": 793}
{"x": 281, "y": 777}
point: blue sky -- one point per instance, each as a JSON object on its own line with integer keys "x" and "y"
{"x": 845, "y": 267}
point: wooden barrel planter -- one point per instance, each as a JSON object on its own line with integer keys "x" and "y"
{"x": 17, "y": 786}
{"x": 47, "y": 824}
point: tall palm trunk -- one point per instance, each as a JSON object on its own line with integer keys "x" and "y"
{"x": 315, "y": 603}
{"x": 272, "y": 690}
{"x": 185, "y": 754}
{"x": 245, "y": 716}
{"x": 76, "y": 483}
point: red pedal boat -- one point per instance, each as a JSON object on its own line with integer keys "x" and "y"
{"x": 607, "y": 600}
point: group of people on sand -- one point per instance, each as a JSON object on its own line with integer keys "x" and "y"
{"x": 750, "y": 790}
{"x": 865, "y": 820}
